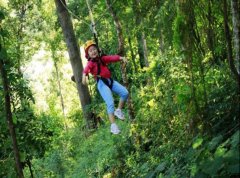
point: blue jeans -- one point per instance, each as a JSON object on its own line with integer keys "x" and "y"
{"x": 106, "y": 93}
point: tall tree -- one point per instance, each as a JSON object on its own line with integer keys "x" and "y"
{"x": 138, "y": 21}
{"x": 210, "y": 31}
{"x": 9, "y": 113}
{"x": 131, "y": 49}
{"x": 161, "y": 42}
{"x": 60, "y": 88}
{"x": 229, "y": 42}
{"x": 186, "y": 33}
{"x": 121, "y": 53}
{"x": 145, "y": 53}
{"x": 235, "y": 6}
{"x": 74, "y": 54}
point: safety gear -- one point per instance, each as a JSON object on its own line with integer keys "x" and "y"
{"x": 87, "y": 45}
{"x": 99, "y": 77}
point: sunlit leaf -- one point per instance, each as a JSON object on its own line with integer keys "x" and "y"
{"x": 220, "y": 151}
{"x": 197, "y": 143}
{"x": 150, "y": 103}
{"x": 14, "y": 119}
{"x": 214, "y": 142}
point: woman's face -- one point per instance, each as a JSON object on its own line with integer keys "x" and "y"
{"x": 92, "y": 52}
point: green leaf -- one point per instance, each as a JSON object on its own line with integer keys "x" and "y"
{"x": 197, "y": 143}
{"x": 160, "y": 175}
{"x": 6, "y": 66}
{"x": 2, "y": 15}
{"x": 201, "y": 175}
{"x": 235, "y": 139}
{"x": 232, "y": 156}
{"x": 214, "y": 142}
{"x": 181, "y": 97}
{"x": 190, "y": 154}
{"x": 219, "y": 152}
{"x": 224, "y": 143}
{"x": 177, "y": 87}
{"x": 150, "y": 174}
{"x": 22, "y": 156}
{"x": 3, "y": 53}
{"x": 14, "y": 119}
{"x": 211, "y": 166}
{"x": 234, "y": 169}
{"x": 162, "y": 166}
{"x": 4, "y": 33}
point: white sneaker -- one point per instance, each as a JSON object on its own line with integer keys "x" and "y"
{"x": 119, "y": 114}
{"x": 114, "y": 129}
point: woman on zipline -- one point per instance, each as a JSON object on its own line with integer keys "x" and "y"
{"x": 97, "y": 66}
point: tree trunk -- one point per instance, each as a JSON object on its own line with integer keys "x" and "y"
{"x": 60, "y": 91}
{"x": 121, "y": 53}
{"x": 145, "y": 50}
{"x": 235, "y": 6}
{"x": 137, "y": 12}
{"x": 161, "y": 43}
{"x": 20, "y": 37}
{"x": 30, "y": 167}
{"x": 131, "y": 49}
{"x": 74, "y": 54}
{"x": 209, "y": 31}
{"x": 185, "y": 8}
{"x": 9, "y": 118}
{"x": 228, "y": 38}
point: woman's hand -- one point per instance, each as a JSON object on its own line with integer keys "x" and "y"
{"x": 124, "y": 60}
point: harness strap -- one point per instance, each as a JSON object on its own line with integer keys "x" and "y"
{"x": 105, "y": 80}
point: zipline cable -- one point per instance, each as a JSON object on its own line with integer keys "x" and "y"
{"x": 104, "y": 12}
{"x": 74, "y": 14}
{"x": 91, "y": 25}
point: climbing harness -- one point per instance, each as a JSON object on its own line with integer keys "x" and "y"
{"x": 99, "y": 62}
{"x": 99, "y": 77}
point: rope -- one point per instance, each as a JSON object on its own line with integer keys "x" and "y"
{"x": 74, "y": 14}
{"x": 91, "y": 25}
{"x": 104, "y": 12}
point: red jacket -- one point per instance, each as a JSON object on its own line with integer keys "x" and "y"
{"x": 93, "y": 68}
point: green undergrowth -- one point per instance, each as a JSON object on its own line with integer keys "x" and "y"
{"x": 218, "y": 157}
{"x": 127, "y": 155}
{"x": 181, "y": 129}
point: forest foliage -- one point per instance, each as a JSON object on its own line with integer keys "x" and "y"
{"x": 186, "y": 102}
